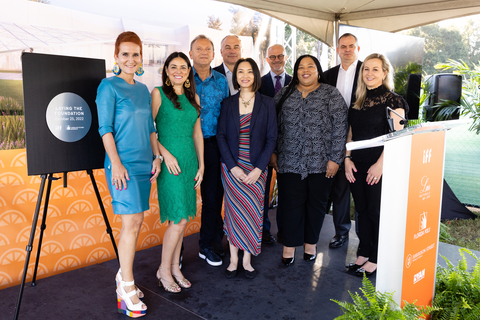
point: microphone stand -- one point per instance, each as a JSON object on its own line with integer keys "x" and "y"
{"x": 390, "y": 120}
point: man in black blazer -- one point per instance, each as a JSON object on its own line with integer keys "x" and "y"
{"x": 344, "y": 77}
{"x": 231, "y": 51}
{"x": 272, "y": 82}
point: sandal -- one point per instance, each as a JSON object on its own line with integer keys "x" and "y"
{"x": 125, "y": 305}
{"x": 171, "y": 287}
{"x": 184, "y": 283}
{"x": 118, "y": 279}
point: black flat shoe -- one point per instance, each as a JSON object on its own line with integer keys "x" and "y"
{"x": 354, "y": 266}
{"x": 338, "y": 241}
{"x": 250, "y": 274}
{"x": 360, "y": 272}
{"x": 231, "y": 274}
{"x": 288, "y": 261}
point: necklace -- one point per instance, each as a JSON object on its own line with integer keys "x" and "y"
{"x": 246, "y": 103}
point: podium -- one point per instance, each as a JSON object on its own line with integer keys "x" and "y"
{"x": 412, "y": 183}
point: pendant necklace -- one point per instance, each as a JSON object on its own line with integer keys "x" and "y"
{"x": 246, "y": 103}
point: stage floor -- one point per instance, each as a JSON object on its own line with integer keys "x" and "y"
{"x": 302, "y": 291}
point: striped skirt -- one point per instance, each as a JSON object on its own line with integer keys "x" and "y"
{"x": 243, "y": 222}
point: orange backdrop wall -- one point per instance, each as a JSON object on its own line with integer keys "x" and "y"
{"x": 75, "y": 236}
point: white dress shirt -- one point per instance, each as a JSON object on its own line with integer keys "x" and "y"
{"x": 229, "y": 75}
{"x": 345, "y": 81}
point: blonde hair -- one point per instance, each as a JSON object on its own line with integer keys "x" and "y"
{"x": 361, "y": 93}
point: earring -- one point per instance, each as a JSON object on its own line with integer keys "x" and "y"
{"x": 167, "y": 82}
{"x": 187, "y": 83}
{"x": 383, "y": 78}
{"x": 116, "y": 69}
{"x": 140, "y": 71}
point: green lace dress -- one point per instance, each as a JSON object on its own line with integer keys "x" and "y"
{"x": 176, "y": 194}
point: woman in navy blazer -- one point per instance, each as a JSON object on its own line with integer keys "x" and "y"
{"x": 246, "y": 136}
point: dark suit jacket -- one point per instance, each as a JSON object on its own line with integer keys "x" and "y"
{"x": 331, "y": 76}
{"x": 268, "y": 87}
{"x": 263, "y": 131}
{"x": 220, "y": 69}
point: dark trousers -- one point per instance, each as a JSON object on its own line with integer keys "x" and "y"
{"x": 340, "y": 197}
{"x": 211, "y": 190}
{"x": 266, "y": 205}
{"x": 367, "y": 203}
{"x": 304, "y": 204}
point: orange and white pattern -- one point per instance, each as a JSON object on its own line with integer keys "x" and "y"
{"x": 75, "y": 236}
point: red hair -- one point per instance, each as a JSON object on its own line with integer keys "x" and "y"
{"x": 127, "y": 36}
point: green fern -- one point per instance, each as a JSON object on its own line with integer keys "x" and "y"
{"x": 378, "y": 306}
{"x": 458, "y": 290}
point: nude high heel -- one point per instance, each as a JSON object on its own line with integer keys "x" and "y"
{"x": 171, "y": 287}
{"x": 184, "y": 283}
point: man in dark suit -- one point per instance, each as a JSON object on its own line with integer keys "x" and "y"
{"x": 231, "y": 51}
{"x": 344, "y": 77}
{"x": 272, "y": 82}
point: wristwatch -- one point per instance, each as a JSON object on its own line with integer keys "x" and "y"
{"x": 349, "y": 157}
{"x": 157, "y": 156}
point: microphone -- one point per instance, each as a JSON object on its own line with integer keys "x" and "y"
{"x": 390, "y": 121}
{"x": 403, "y": 121}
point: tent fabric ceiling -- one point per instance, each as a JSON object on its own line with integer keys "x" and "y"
{"x": 317, "y": 17}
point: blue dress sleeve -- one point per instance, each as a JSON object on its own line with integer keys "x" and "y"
{"x": 105, "y": 107}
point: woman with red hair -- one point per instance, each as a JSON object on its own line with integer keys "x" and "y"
{"x": 132, "y": 158}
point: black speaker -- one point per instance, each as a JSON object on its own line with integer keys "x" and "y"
{"x": 412, "y": 96}
{"x": 446, "y": 86}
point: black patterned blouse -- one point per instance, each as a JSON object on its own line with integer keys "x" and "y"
{"x": 371, "y": 122}
{"x": 311, "y": 131}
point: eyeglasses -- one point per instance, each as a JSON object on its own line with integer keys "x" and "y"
{"x": 279, "y": 57}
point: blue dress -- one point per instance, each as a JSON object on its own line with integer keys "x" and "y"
{"x": 125, "y": 111}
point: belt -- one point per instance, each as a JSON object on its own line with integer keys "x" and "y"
{"x": 210, "y": 139}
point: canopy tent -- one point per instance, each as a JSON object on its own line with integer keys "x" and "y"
{"x": 319, "y": 17}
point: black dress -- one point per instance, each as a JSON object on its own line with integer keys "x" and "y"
{"x": 367, "y": 123}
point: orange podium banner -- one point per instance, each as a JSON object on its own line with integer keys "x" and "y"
{"x": 412, "y": 186}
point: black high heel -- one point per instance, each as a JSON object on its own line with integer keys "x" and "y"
{"x": 360, "y": 272}
{"x": 354, "y": 266}
{"x": 289, "y": 261}
{"x": 308, "y": 256}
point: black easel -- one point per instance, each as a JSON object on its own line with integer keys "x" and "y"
{"x": 29, "y": 247}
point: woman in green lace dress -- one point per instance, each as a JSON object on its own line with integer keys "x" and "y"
{"x": 176, "y": 109}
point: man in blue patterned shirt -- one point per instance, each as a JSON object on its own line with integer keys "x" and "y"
{"x": 212, "y": 88}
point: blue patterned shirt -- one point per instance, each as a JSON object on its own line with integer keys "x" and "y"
{"x": 211, "y": 92}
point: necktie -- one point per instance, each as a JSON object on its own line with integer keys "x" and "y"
{"x": 278, "y": 85}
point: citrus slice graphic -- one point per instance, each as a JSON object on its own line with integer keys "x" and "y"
{"x": 88, "y": 189}
{"x": 150, "y": 240}
{"x": 159, "y": 225}
{"x": 82, "y": 240}
{"x": 144, "y": 228}
{"x": 61, "y": 192}
{"x": 12, "y": 256}
{"x": 25, "y": 196}
{"x": 154, "y": 193}
{"x": 52, "y": 212}
{"x": 10, "y": 179}
{"x": 3, "y": 240}
{"x": 98, "y": 255}
{"x": 107, "y": 202}
{"x": 3, "y": 203}
{"x": 94, "y": 221}
{"x": 79, "y": 206}
{"x": 42, "y": 269}
{"x": 24, "y": 234}
{"x": 64, "y": 226}
{"x": 51, "y": 247}
{"x": 67, "y": 262}
{"x": 117, "y": 218}
{"x": 35, "y": 180}
{"x": 20, "y": 160}
{"x": 116, "y": 235}
{"x": 192, "y": 228}
{"x": 153, "y": 210}
{"x": 10, "y": 217}
{"x": 1, "y": 164}
{"x": 77, "y": 174}
{"x": 4, "y": 279}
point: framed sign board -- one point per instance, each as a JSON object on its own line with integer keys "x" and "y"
{"x": 61, "y": 122}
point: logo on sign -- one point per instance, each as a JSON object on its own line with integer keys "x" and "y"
{"x": 425, "y": 188}
{"x": 427, "y": 154}
{"x": 423, "y": 221}
{"x": 419, "y": 276}
{"x": 408, "y": 261}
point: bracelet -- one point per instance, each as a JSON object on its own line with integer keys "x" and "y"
{"x": 349, "y": 157}
{"x": 157, "y": 156}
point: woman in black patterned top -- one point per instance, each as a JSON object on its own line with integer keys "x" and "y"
{"x": 363, "y": 168}
{"x": 312, "y": 128}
